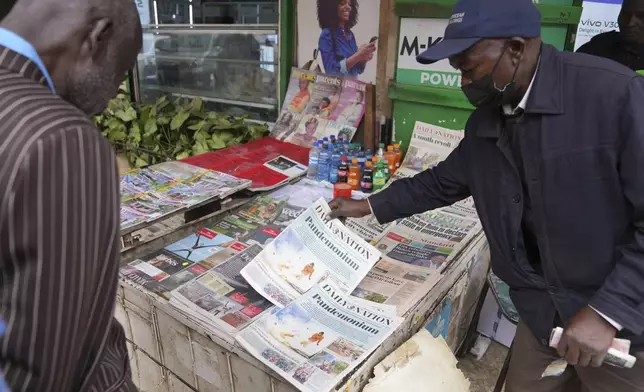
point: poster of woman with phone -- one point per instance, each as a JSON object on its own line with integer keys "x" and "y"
{"x": 347, "y": 40}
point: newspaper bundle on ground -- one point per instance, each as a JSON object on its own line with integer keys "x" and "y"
{"x": 421, "y": 364}
{"x": 315, "y": 341}
{"x": 151, "y": 193}
{"x": 220, "y": 299}
{"x": 311, "y": 249}
{"x": 267, "y": 162}
{"x": 318, "y": 106}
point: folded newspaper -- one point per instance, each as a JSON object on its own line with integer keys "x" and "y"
{"x": 221, "y": 300}
{"x": 311, "y": 249}
{"x": 315, "y": 341}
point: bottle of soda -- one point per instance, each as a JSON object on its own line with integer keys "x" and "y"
{"x": 390, "y": 156}
{"x": 354, "y": 175}
{"x": 398, "y": 155}
{"x": 343, "y": 170}
{"x": 380, "y": 176}
{"x": 366, "y": 183}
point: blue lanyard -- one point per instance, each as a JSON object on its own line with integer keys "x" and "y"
{"x": 13, "y": 41}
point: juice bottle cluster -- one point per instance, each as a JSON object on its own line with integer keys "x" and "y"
{"x": 337, "y": 161}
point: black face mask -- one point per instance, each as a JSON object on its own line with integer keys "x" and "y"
{"x": 483, "y": 92}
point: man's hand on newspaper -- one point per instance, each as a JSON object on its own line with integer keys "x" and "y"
{"x": 348, "y": 208}
{"x": 586, "y": 339}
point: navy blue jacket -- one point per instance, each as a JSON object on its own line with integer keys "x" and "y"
{"x": 583, "y": 159}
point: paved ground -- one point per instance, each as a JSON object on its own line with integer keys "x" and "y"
{"x": 484, "y": 373}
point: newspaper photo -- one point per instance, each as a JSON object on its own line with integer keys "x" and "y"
{"x": 433, "y": 255}
{"x": 308, "y": 251}
{"x": 221, "y": 298}
{"x": 396, "y": 284}
{"x": 315, "y": 341}
{"x": 429, "y": 145}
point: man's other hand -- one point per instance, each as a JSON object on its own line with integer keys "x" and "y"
{"x": 348, "y": 208}
{"x": 586, "y": 339}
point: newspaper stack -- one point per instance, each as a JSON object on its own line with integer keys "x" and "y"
{"x": 220, "y": 299}
{"x": 154, "y": 192}
{"x": 315, "y": 341}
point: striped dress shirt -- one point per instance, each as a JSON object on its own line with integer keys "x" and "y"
{"x": 59, "y": 249}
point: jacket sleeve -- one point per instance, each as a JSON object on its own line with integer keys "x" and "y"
{"x": 59, "y": 246}
{"x": 331, "y": 64}
{"x": 622, "y": 296}
{"x": 438, "y": 187}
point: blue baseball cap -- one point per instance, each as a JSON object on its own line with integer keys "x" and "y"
{"x": 474, "y": 20}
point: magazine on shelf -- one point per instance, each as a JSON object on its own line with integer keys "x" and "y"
{"x": 298, "y": 95}
{"x": 154, "y": 192}
{"x": 221, "y": 298}
{"x": 318, "y": 339}
{"x": 268, "y": 163}
{"x": 311, "y": 249}
{"x": 318, "y": 106}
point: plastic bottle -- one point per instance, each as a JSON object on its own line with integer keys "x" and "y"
{"x": 366, "y": 182}
{"x": 381, "y": 151}
{"x": 369, "y": 154}
{"x": 343, "y": 170}
{"x": 379, "y": 176}
{"x": 398, "y": 155}
{"x": 362, "y": 159}
{"x": 354, "y": 175}
{"x": 336, "y": 158}
{"x": 325, "y": 142}
{"x": 314, "y": 162}
{"x": 323, "y": 167}
{"x": 390, "y": 156}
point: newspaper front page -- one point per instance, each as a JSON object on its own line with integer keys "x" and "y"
{"x": 396, "y": 284}
{"x": 221, "y": 298}
{"x": 308, "y": 251}
{"x": 367, "y": 228}
{"x": 429, "y": 145}
{"x": 315, "y": 341}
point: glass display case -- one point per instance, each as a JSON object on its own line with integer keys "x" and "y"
{"x": 234, "y": 68}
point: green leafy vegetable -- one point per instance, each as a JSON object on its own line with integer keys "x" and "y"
{"x": 171, "y": 129}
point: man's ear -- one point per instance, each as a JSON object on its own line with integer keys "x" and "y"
{"x": 516, "y": 47}
{"x": 96, "y": 42}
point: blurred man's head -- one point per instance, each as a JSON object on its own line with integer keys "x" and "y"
{"x": 495, "y": 44}
{"x": 86, "y": 45}
{"x": 631, "y": 21}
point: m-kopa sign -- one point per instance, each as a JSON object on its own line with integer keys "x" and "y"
{"x": 416, "y": 35}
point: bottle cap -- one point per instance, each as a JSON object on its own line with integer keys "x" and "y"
{"x": 368, "y": 164}
{"x": 316, "y": 144}
{"x": 326, "y": 139}
{"x": 381, "y": 145}
{"x": 344, "y": 157}
{"x": 396, "y": 145}
{"x": 390, "y": 148}
{"x": 355, "y": 160}
{"x": 375, "y": 159}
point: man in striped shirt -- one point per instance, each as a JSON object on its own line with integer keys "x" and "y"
{"x": 61, "y": 60}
